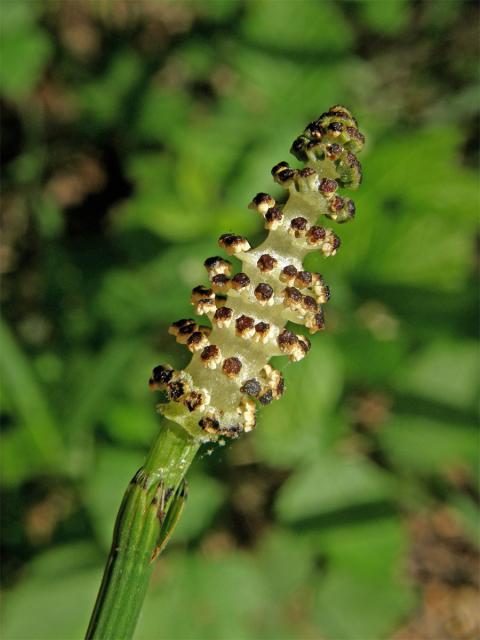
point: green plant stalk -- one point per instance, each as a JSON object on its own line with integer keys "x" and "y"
{"x": 141, "y": 531}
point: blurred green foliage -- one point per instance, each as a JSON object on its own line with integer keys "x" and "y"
{"x": 133, "y": 134}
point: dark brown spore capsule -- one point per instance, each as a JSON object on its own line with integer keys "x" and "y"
{"x": 186, "y": 330}
{"x": 260, "y": 198}
{"x": 210, "y": 352}
{"x": 335, "y": 128}
{"x": 251, "y": 387}
{"x": 299, "y": 225}
{"x": 266, "y": 397}
{"x": 280, "y": 388}
{"x": 176, "y": 390}
{"x": 202, "y": 293}
{"x": 231, "y": 367}
{"x": 196, "y": 340}
{"x": 304, "y": 343}
{"x": 298, "y": 148}
{"x": 262, "y": 202}
{"x": 216, "y": 264}
{"x": 281, "y": 166}
{"x": 231, "y": 430}
{"x": 303, "y": 279}
{"x": 292, "y": 295}
{"x": 244, "y": 324}
{"x": 210, "y": 425}
{"x": 232, "y": 243}
{"x": 314, "y": 130}
{"x": 315, "y": 234}
{"x": 220, "y": 282}
{"x": 223, "y": 314}
{"x": 273, "y": 217}
{"x": 334, "y": 151}
{"x": 336, "y": 204}
{"x": 262, "y": 328}
{"x": 288, "y": 273}
{"x": 161, "y": 375}
{"x": 266, "y": 263}
{"x": 282, "y": 172}
{"x": 328, "y": 186}
{"x": 336, "y": 242}
{"x": 176, "y": 326}
{"x": 286, "y": 339}
{"x": 309, "y": 304}
{"x": 285, "y": 175}
{"x": 193, "y": 400}
{"x": 212, "y": 262}
{"x": 318, "y": 321}
{"x": 263, "y": 292}
{"x": 352, "y": 160}
{"x": 240, "y": 281}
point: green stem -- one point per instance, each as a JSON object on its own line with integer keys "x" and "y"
{"x": 138, "y": 535}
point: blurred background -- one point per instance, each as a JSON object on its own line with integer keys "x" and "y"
{"x": 133, "y": 134}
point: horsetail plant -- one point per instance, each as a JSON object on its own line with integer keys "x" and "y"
{"x": 216, "y": 395}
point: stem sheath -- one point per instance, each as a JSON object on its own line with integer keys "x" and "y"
{"x": 138, "y": 534}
